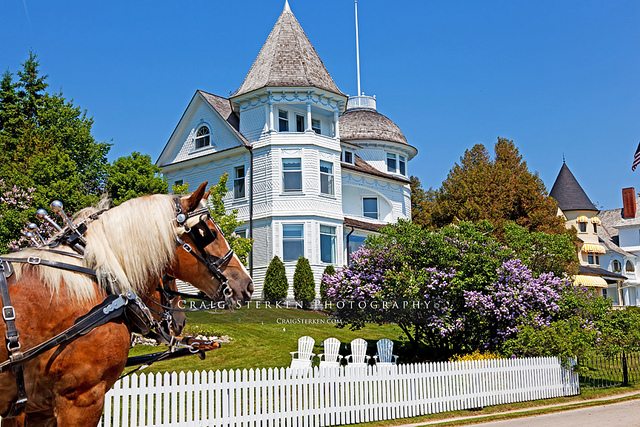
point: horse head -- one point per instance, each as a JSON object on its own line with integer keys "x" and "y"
{"x": 204, "y": 257}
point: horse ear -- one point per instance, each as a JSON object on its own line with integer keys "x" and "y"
{"x": 192, "y": 201}
{"x": 206, "y": 195}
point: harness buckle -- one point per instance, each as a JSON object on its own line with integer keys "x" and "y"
{"x": 187, "y": 247}
{"x": 13, "y": 344}
{"x": 34, "y": 260}
{"x": 8, "y": 312}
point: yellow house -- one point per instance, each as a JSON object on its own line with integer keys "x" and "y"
{"x": 581, "y": 214}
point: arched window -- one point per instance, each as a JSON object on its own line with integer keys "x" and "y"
{"x": 203, "y": 137}
{"x": 628, "y": 267}
{"x": 616, "y": 266}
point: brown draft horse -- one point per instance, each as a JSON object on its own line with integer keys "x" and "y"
{"x": 129, "y": 247}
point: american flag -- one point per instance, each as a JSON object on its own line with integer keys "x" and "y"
{"x": 636, "y": 159}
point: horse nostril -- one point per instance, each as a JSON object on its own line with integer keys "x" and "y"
{"x": 250, "y": 288}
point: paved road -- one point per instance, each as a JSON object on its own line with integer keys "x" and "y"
{"x": 625, "y": 414}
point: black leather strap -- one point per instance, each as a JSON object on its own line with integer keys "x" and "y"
{"x": 111, "y": 308}
{"x": 12, "y": 340}
{"x": 54, "y": 264}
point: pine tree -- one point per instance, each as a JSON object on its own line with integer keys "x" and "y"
{"x": 276, "y": 284}
{"x": 328, "y": 271}
{"x": 304, "y": 287}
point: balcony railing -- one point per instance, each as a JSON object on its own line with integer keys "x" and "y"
{"x": 362, "y": 101}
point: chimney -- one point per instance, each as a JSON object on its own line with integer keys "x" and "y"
{"x": 628, "y": 202}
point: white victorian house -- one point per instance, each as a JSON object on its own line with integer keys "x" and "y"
{"x": 312, "y": 171}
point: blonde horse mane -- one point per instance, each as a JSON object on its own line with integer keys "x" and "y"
{"x": 125, "y": 246}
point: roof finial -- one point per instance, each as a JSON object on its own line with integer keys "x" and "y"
{"x": 286, "y": 6}
{"x": 563, "y": 160}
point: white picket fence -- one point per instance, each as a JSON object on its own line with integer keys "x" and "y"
{"x": 314, "y": 397}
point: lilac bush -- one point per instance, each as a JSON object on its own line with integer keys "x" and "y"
{"x": 15, "y": 205}
{"x": 517, "y": 296}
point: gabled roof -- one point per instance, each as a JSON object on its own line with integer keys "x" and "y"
{"x": 287, "y": 59}
{"x": 223, "y": 107}
{"x": 569, "y": 194}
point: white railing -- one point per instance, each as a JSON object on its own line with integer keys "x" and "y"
{"x": 313, "y": 397}
{"x": 362, "y": 101}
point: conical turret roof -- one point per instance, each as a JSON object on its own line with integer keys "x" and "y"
{"x": 569, "y": 194}
{"x": 287, "y": 59}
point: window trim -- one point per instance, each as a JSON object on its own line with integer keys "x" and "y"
{"x": 331, "y": 178}
{"x": 377, "y": 207}
{"x": 304, "y": 120}
{"x": 243, "y": 178}
{"x": 285, "y": 224}
{"x": 343, "y": 158}
{"x": 402, "y": 161}
{"x": 207, "y": 136}
{"x": 334, "y": 254}
{"x": 395, "y": 160}
{"x": 318, "y": 129}
{"x": 283, "y": 119}
{"x": 284, "y": 190}
{"x": 580, "y": 226}
{"x": 613, "y": 266}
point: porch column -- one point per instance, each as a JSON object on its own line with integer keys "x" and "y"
{"x": 308, "y": 129}
{"x": 336, "y": 126}
{"x": 271, "y": 128}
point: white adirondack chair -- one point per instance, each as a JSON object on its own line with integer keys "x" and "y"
{"x": 302, "y": 358}
{"x": 331, "y": 357}
{"x": 358, "y": 356}
{"x": 385, "y": 354}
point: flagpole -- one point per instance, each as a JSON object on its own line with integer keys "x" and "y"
{"x": 357, "y": 48}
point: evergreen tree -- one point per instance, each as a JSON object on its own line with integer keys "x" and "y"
{"x": 421, "y": 203}
{"x": 276, "y": 284}
{"x": 304, "y": 287}
{"x": 134, "y": 176}
{"x": 328, "y": 271}
{"x": 498, "y": 190}
{"x": 46, "y": 148}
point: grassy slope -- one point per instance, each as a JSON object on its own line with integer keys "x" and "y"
{"x": 260, "y": 339}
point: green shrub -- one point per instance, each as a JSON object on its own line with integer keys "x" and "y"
{"x": 304, "y": 288}
{"x": 275, "y": 282}
{"x": 329, "y": 271}
{"x": 476, "y": 355}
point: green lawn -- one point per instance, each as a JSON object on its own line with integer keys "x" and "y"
{"x": 262, "y": 338}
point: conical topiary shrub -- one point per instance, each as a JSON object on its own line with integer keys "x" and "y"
{"x": 304, "y": 288}
{"x": 329, "y": 271}
{"x": 275, "y": 282}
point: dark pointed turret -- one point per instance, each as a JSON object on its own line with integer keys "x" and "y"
{"x": 569, "y": 194}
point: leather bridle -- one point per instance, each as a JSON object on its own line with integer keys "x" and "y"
{"x": 202, "y": 236}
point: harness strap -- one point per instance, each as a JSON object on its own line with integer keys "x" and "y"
{"x": 12, "y": 340}
{"x": 55, "y": 251}
{"x": 34, "y": 260}
{"x": 109, "y": 309}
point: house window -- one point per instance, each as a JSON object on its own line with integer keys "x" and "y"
{"x": 299, "y": 123}
{"x": 292, "y": 241}
{"x": 178, "y": 182}
{"x": 370, "y": 207}
{"x": 315, "y": 125}
{"x": 283, "y": 121}
{"x": 391, "y": 163}
{"x": 593, "y": 259}
{"x": 355, "y": 242}
{"x": 628, "y": 267}
{"x": 292, "y": 174}
{"x": 582, "y": 227}
{"x": 328, "y": 244}
{"x": 326, "y": 177}
{"x": 241, "y": 232}
{"x": 402, "y": 162}
{"x": 595, "y": 228}
{"x": 616, "y": 266}
{"x": 238, "y": 183}
{"x": 203, "y": 137}
{"x": 347, "y": 157}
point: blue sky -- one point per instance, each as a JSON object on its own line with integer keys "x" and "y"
{"x": 558, "y": 77}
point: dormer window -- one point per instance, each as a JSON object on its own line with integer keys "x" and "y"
{"x": 283, "y": 121}
{"x": 628, "y": 267}
{"x": 203, "y": 137}
{"x": 582, "y": 226}
{"x": 616, "y": 266}
{"x": 347, "y": 156}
